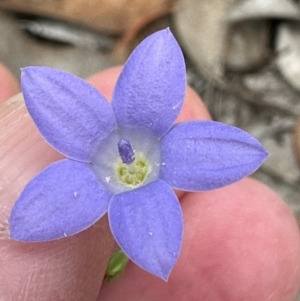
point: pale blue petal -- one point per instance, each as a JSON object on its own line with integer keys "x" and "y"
{"x": 64, "y": 199}
{"x": 147, "y": 224}
{"x": 70, "y": 114}
{"x": 150, "y": 90}
{"x": 205, "y": 155}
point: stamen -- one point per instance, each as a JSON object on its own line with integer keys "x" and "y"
{"x": 126, "y": 151}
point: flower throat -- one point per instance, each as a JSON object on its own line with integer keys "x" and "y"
{"x": 133, "y": 168}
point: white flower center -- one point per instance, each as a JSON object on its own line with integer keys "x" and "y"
{"x": 118, "y": 176}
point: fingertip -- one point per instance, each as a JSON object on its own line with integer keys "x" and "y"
{"x": 105, "y": 81}
{"x": 247, "y": 232}
{"x": 42, "y": 271}
{"x": 72, "y": 268}
{"x": 193, "y": 107}
{"x": 241, "y": 242}
{"x": 8, "y": 84}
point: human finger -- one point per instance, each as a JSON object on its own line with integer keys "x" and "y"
{"x": 240, "y": 242}
{"x": 27, "y": 153}
{"x": 67, "y": 269}
{"x": 8, "y": 84}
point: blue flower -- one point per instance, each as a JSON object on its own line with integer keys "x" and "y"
{"x": 124, "y": 159}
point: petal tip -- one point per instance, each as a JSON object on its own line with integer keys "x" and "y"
{"x": 29, "y": 70}
{"x": 166, "y": 275}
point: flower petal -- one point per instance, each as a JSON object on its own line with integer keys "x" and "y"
{"x": 150, "y": 90}
{"x": 70, "y": 114}
{"x": 62, "y": 200}
{"x": 147, "y": 224}
{"x": 205, "y": 155}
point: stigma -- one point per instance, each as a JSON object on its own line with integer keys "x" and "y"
{"x": 126, "y": 151}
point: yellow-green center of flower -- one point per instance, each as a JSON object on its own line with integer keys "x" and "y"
{"x": 134, "y": 174}
{"x": 127, "y": 159}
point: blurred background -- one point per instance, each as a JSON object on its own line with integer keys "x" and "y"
{"x": 243, "y": 58}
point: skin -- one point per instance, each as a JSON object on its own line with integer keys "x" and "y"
{"x": 241, "y": 242}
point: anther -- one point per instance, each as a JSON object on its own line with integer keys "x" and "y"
{"x": 126, "y": 151}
